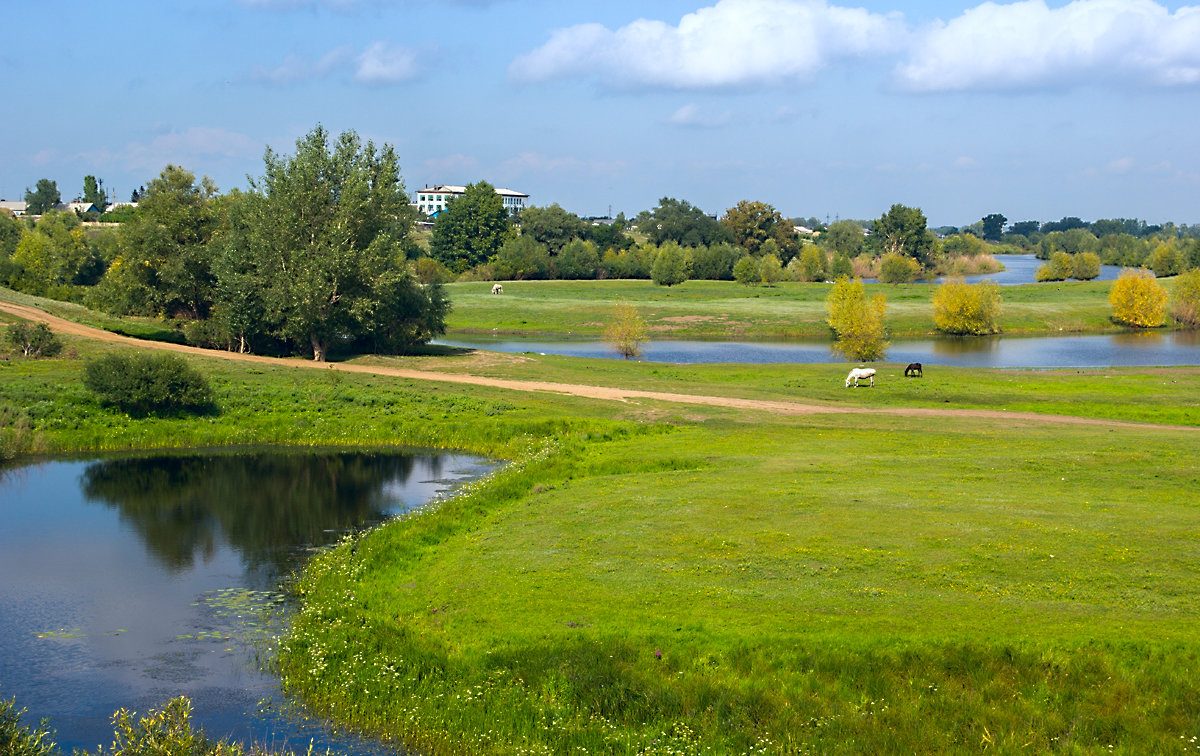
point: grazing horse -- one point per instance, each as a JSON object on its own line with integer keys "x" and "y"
{"x": 914, "y": 370}
{"x": 497, "y": 289}
{"x": 857, "y": 373}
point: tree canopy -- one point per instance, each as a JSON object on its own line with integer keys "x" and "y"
{"x": 753, "y": 223}
{"x": 44, "y": 197}
{"x": 903, "y": 230}
{"x": 471, "y": 229}
{"x": 681, "y": 222}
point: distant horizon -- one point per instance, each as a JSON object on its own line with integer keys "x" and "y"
{"x": 962, "y": 108}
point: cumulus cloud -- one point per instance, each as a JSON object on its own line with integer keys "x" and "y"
{"x": 732, "y": 43}
{"x": 1027, "y": 44}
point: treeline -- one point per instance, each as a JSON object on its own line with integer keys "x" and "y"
{"x": 315, "y": 255}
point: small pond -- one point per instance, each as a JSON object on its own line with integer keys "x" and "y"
{"x": 125, "y": 582}
{"x": 1130, "y": 349}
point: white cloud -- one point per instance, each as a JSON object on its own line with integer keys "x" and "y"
{"x": 1121, "y": 165}
{"x": 196, "y": 146}
{"x": 732, "y": 43}
{"x": 965, "y": 163}
{"x": 691, "y": 115}
{"x": 382, "y": 63}
{"x": 1027, "y": 44}
{"x": 295, "y": 68}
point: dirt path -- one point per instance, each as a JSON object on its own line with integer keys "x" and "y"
{"x": 61, "y": 325}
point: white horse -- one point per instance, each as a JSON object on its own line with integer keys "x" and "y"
{"x": 857, "y": 373}
{"x": 497, "y": 289}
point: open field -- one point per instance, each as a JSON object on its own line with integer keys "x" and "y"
{"x": 726, "y": 310}
{"x": 651, "y": 576}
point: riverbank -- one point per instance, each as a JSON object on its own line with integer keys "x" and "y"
{"x": 656, "y": 577}
{"x": 723, "y": 310}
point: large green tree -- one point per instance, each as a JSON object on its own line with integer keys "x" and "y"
{"x": 471, "y": 229}
{"x": 683, "y": 223}
{"x": 903, "y": 230}
{"x": 753, "y": 223}
{"x": 325, "y": 228}
{"x": 44, "y": 197}
{"x": 993, "y": 226}
{"x": 553, "y": 226}
{"x": 844, "y": 237}
{"x": 164, "y": 266}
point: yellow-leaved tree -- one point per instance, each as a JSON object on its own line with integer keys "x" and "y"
{"x": 967, "y": 309}
{"x": 1185, "y": 299}
{"x": 857, "y": 322}
{"x": 1138, "y": 299}
{"x": 626, "y": 332}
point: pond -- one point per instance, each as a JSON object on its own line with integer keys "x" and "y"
{"x": 1129, "y": 349}
{"x": 125, "y": 582}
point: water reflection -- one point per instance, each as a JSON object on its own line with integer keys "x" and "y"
{"x": 115, "y": 576}
{"x": 263, "y": 505}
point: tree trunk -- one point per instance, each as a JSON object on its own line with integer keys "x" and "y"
{"x": 318, "y": 348}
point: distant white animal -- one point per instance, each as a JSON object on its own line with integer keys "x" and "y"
{"x": 857, "y": 373}
{"x": 497, "y": 289}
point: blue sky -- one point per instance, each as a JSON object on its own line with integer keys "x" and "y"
{"x": 1032, "y": 109}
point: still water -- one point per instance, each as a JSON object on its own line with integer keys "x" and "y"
{"x": 1129, "y": 349}
{"x": 1022, "y": 269}
{"x": 126, "y": 582}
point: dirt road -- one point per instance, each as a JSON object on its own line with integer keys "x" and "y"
{"x": 61, "y": 325}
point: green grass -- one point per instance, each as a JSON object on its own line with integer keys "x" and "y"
{"x": 656, "y": 578}
{"x": 727, "y": 310}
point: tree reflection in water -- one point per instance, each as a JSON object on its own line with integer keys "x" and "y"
{"x": 265, "y": 504}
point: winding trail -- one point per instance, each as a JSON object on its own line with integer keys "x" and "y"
{"x": 64, "y": 326}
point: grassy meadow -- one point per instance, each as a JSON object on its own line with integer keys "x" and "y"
{"x": 726, "y": 310}
{"x": 647, "y": 577}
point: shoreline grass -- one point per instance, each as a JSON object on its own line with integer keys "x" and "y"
{"x": 653, "y": 578}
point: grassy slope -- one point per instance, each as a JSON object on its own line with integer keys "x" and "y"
{"x": 655, "y": 578}
{"x": 720, "y": 309}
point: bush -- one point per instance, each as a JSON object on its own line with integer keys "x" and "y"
{"x": 1167, "y": 260}
{"x": 1060, "y": 268}
{"x": 1138, "y": 299}
{"x": 1185, "y": 301}
{"x": 745, "y": 271}
{"x": 19, "y": 740}
{"x": 33, "y": 340}
{"x": 770, "y": 271}
{"x": 896, "y": 268}
{"x": 965, "y": 309}
{"x": 1085, "y": 266}
{"x": 857, "y": 322}
{"x": 670, "y": 265}
{"x": 141, "y": 384}
{"x": 431, "y": 271}
{"x": 809, "y": 265}
{"x": 627, "y": 332}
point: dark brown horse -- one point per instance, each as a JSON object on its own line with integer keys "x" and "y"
{"x": 914, "y": 370}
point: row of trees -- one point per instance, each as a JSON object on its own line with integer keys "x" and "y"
{"x": 314, "y": 255}
{"x": 1137, "y": 299}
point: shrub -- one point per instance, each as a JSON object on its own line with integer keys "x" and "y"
{"x": 895, "y": 268}
{"x": 770, "y": 271}
{"x": 670, "y": 265}
{"x": 962, "y": 308}
{"x": 33, "y": 340}
{"x": 809, "y": 265}
{"x": 857, "y": 322}
{"x": 1138, "y": 299}
{"x": 627, "y": 332}
{"x": 745, "y": 271}
{"x": 1060, "y": 268}
{"x": 17, "y": 739}
{"x": 1167, "y": 260}
{"x": 1185, "y": 301}
{"x": 1085, "y": 266}
{"x": 431, "y": 271}
{"x": 141, "y": 384}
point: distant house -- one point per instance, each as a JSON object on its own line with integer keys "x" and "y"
{"x": 16, "y": 208}
{"x": 79, "y": 208}
{"x": 432, "y": 200}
